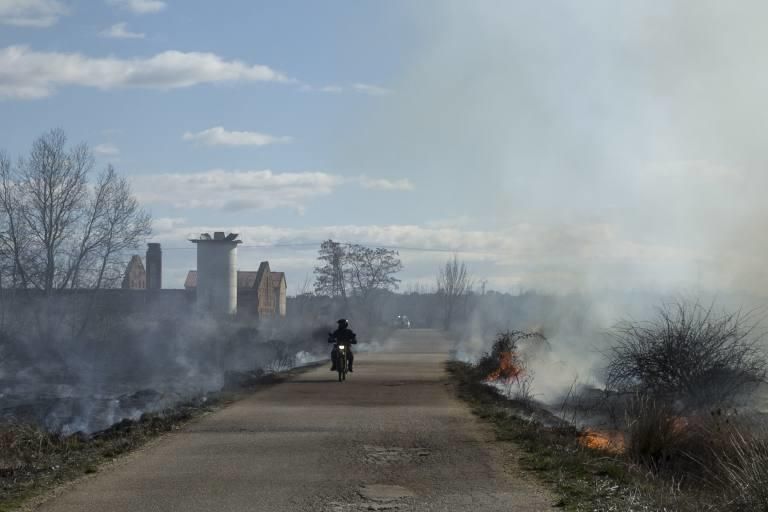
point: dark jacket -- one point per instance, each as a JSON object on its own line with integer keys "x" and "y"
{"x": 344, "y": 336}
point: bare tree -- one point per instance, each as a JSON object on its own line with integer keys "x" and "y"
{"x": 56, "y": 231}
{"x": 14, "y": 240}
{"x": 688, "y": 353}
{"x": 329, "y": 276}
{"x": 370, "y": 270}
{"x": 453, "y": 287}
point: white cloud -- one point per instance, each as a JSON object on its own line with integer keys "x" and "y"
{"x": 360, "y": 88}
{"x": 373, "y": 90}
{"x": 546, "y": 257}
{"x": 235, "y": 190}
{"x": 28, "y": 74}
{"x": 384, "y": 184}
{"x": 218, "y": 136}
{"x": 120, "y": 31}
{"x": 31, "y": 13}
{"x": 220, "y": 189}
{"x": 106, "y": 149}
{"x": 140, "y": 6}
{"x": 332, "y": 89}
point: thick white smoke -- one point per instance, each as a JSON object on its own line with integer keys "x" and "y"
{"x": 626, "y": 137}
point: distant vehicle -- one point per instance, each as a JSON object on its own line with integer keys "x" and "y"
{"x": 402, "y": 322}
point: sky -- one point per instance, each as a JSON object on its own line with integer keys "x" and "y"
{"x": 558, "y": 146}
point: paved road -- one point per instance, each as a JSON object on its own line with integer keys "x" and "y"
{"x": 393, "y": 437}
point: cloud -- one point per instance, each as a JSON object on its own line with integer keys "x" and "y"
{"x": 27, "y": 74}
{"x": 548, "y": 257}
{"x": 218, "y": 136}
{"x": 140, "y": 6}
{"x": 238, "y": 190}
{"x": 360, "y": 88}
{"x": 31, "y": 13}
{"x": 106, "y": 149}
{"x": 384, "y": 184}
{"x": 120, "y": 31}
{"x": 372, "y": 90}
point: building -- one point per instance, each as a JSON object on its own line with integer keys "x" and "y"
{"x": 135, "y": 277}
{"x": 280, "y": 290}
{"x": 216, "y": 280}
{"x": 261, "y": 293}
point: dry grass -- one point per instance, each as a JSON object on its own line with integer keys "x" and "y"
{"x": 742, "y": 471}
{"x": 654, "y": 435}
{"x": 33, "y": 461}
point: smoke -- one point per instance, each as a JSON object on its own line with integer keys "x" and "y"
{"x": 635, "y": 127}
{"x": 71, "y": 365}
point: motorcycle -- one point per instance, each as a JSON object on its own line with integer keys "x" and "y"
{"x": 341, "y": 357}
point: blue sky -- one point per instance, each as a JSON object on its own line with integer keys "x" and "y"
{"x": 572, "y": 145}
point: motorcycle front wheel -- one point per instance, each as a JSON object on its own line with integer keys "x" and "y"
{"x": 341, "y": 364}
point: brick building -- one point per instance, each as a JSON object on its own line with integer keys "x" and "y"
{"x": 135, "y": 277}
{"x": 260, "y": 293}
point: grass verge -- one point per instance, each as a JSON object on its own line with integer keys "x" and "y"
{"x": 33, "y": 462}
{"x": 583, "y": 479}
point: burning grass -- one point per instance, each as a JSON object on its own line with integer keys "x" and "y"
{"x": 588, "y": 469}
{"x": 33, "y": 461}
{"x": 663, "y": 434}
{"x": 609, "y": 441}
{"x": 505, "y": 367}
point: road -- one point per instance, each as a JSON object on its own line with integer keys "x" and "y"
{"x": 393, "y": 437}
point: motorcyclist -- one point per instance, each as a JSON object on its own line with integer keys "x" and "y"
{"x": 342, "y": 336}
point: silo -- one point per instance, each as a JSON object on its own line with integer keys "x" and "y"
{"x": 217, "y": 272}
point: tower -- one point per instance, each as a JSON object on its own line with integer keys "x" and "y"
{"x": 154, "y": 267}
{"x": 217, "y": 272}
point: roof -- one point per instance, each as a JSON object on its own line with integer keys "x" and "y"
{"x": 191, "y": 280}
{"x": 277, "y": 278}
{"x": 263, "y": 269}
{"x": 245, "y": 278}
{"x": 135, "y": 262}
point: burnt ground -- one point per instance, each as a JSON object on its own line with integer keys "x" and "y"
{"x": 393, "y": 437}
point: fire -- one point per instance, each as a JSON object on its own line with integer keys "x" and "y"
{"x": 509, "y": 368}
{"x": 606, "y": 440}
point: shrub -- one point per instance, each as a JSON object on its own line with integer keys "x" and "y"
{"x": 504, "y": 359}
{"x": 687, "y": 354}
{"x": 654, "y": 435}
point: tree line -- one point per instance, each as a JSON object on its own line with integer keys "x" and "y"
{"x": 59, "y": 228}
{"x": 360, "y": 273}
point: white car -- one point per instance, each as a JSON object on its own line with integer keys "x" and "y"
{"x": 402, "y": 322}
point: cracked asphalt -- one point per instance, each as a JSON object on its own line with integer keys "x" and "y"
{"x": 393, "y": 437}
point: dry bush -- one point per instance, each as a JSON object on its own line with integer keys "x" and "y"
{"x": 688, "y": 354}
{"x": 504, "y": 355}
{"x": 654, "y": 435}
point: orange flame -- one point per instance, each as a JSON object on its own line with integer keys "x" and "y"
{"x": 611, "y": 441}
{"x": 509, "y": 369}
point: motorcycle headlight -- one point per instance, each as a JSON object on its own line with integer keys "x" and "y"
{"x": 341, "y": 347}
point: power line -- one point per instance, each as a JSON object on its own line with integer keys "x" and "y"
{"x": 317, "y": 244}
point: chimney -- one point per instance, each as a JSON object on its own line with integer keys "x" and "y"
{"x": 154, "y": 267}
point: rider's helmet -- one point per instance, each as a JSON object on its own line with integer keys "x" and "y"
{"x": 343, "y": 324}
